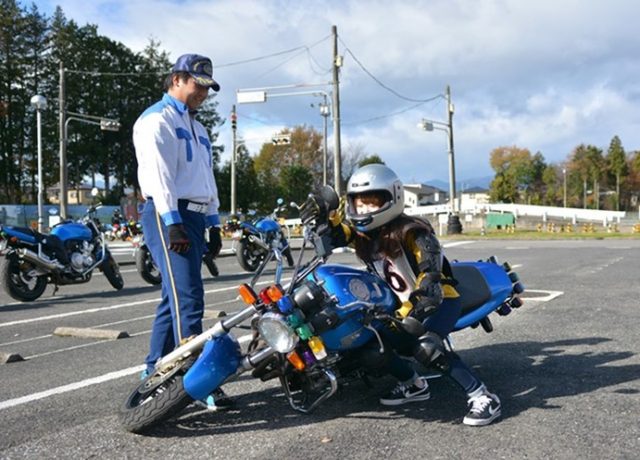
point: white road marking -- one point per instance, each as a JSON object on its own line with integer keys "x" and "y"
{"x": 82, "y": 384}
{"x": 456, "y": 243}
{"x": 550, "y": 295}
{"x": 113, "y": 307}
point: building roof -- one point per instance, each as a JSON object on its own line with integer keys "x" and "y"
{"x": 422, "y": 188}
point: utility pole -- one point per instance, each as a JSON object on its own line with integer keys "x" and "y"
{"x": 63, "y": 148}
{"x": 234, "y": 129}
{"x": 337, "y": 63}
{"x": 453, "y": 225}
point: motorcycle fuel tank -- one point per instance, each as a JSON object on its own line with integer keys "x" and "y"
{"x": 72, "y": 231}
{"x": 352, "y": 286}
{"x": 268, "y": 225}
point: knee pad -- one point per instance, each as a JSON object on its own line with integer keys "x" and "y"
{"x": 430, "y": 347}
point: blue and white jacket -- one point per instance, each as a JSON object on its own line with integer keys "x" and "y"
{"x": 174, "y": 160}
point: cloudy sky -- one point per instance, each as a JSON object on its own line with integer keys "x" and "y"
{"x": 544, "y": 75}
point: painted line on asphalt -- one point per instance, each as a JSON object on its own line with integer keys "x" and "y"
{"x": 82, "y": 384}
{"x": 456, "y": 243}
{"x": 550, "y": 295}
{"x": 114, "y": 307}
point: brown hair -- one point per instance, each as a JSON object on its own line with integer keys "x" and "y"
{"x": 388, "y": 239}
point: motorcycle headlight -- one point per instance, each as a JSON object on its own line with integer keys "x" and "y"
{"x": 274, "y": 329}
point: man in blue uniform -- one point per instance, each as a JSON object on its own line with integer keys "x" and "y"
{"x": 176, "y": 179}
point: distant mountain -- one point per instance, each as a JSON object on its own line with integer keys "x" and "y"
{"x": 482, "y": 182}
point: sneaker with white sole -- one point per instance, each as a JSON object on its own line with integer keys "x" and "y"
{"x": 404, "y": 393}
{"x": 485, "y": 408}
{"x": 218, "y": 400}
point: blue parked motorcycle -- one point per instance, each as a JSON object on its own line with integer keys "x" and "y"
{"x": 304, "y": 333}
{"x": 67, "y": 255}
{"x": 256, "y": 240}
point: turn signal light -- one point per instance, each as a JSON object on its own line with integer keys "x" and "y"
{"x": 275, "y": 292}
{"x": 247, "y": 294}
{"x": 295, "y": 359}
{"x": 317, "y": 347}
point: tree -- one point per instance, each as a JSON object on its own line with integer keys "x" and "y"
{"x": 617, "y": 164}
{"x": 515, "y": 171}
{"x": 370, "y": 160}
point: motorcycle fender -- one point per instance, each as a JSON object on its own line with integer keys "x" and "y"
{"x": 219, "y": 360}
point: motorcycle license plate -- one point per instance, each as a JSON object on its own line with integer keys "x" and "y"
{"x": 3, "y": 246}
{"x": 237, "y": 234}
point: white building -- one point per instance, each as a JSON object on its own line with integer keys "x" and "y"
{"x": 423, "y": 195}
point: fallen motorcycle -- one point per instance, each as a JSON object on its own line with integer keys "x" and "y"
{"x": 304, "y": 333}
{"x": 67, "y": 255}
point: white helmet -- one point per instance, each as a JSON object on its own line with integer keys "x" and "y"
{"x": 380, "y": 180}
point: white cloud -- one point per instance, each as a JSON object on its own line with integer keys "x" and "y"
{"x": 543, "y": 75}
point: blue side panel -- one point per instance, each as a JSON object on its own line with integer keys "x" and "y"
{"x": 219, "y": 359}
{"x": 25, "y": 237}
{"x": 72, "y": 231}
{"x": 268, "y": 225}
{"x": 499, "y": 286}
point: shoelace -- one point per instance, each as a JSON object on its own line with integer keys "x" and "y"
{"x": 479, "y": 403}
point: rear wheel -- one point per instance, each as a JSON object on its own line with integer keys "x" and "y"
{"x": 147, "y": 267}
{"x": 156, "y": 399}
{"x": 19, "y": 279}
{"x": 248, "y": 258}
{"x": 111, "y": 271}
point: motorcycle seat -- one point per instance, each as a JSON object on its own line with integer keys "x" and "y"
{"x": 472, "y": 287}
{"x": 27, "y": 231}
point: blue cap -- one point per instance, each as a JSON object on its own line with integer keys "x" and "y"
{"x": 199, "y": 67}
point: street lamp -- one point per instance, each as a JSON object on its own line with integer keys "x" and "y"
{"x": 106, "y": 124}
{"x": 39, "y": 103}
{"x": 325, "y": 112}
{"x": 259, "y": 95}
{"x": 564, "y": 187}
{"x": 453, "y": 225}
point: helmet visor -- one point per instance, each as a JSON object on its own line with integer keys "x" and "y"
{"x": 370, "y": 202}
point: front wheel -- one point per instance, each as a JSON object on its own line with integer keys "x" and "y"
{"x": 248, "y": 258}
{"x": 150, "y": 404}
{"x": 18, "y": 280}
{"x": 111, "y": 271}
{"x": 147, "y": 267}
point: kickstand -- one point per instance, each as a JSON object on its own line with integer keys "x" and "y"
{"x": 55, "y": 289}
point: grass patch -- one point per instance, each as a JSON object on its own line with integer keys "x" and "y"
{"x": 535, "y": 235}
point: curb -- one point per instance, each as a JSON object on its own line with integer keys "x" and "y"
{"x": 87, "y": 333}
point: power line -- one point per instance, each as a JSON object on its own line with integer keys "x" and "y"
{"x": 392, "y": 114}
{"x": 391, "y": 90}
{"x": 304, "y": 48}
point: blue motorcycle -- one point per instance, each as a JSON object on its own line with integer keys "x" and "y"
{"x": 255, "y": 241}
{"x": 307, "y": 334}
{"x": 67, "y": 255}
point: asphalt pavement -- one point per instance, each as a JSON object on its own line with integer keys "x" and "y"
{"x": 566, "y": 366}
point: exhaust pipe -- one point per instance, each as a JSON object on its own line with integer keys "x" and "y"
{"x": 38, "y": 261}
{"x": 259, "y": 242}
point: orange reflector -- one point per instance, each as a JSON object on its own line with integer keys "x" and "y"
{"x": 275, "y": 292}
{"x": 295, "y": 359}
{"x": 247, "y": 294}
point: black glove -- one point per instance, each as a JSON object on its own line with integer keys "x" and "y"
{"x": 314, "y": 210}
{"x": 215, "y": 241}
{"x": 178, "y": 239}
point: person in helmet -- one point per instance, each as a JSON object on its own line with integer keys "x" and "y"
{"x": 405, "y": 252}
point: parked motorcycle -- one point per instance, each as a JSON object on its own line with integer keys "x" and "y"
{"x": 149, "y": 270}
{"x": 67, "y": 255}
{"x": 255, "y": 241}
{"x": 304, "y": 333}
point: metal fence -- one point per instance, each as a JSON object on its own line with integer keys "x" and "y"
{"x": 27, "y": 215}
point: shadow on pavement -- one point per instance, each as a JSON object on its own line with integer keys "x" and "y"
{"x": 524, "y": 374}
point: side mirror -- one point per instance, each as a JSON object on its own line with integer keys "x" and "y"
{"x": 94, "y": 191}
{"x": 279, "y": 201}
{"x": 330, "y": 196}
